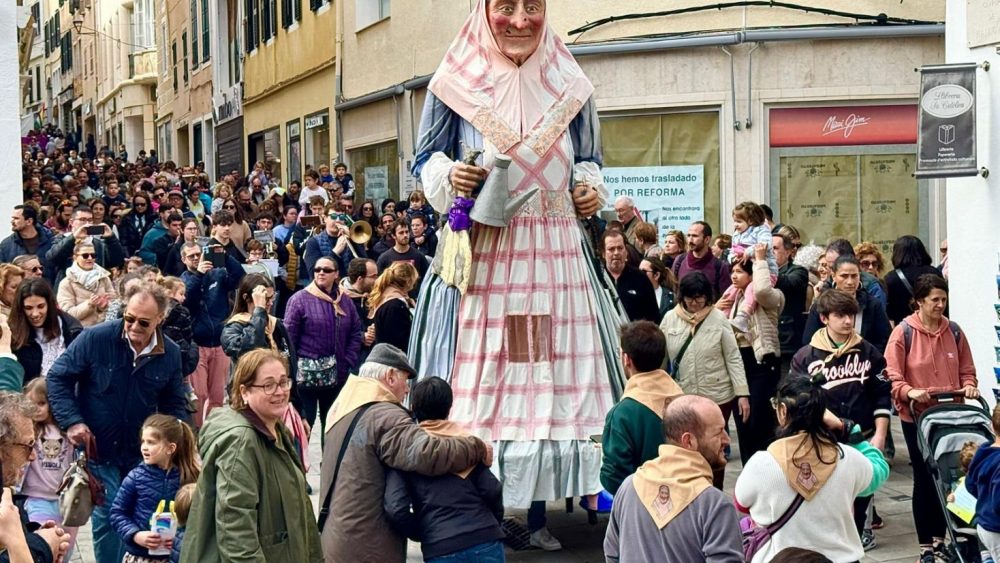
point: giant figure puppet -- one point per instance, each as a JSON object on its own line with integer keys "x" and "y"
{"x": 526, "y": 331}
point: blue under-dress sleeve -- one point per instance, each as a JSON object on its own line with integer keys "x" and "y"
{"x": 439, "y": 132}
{"x": 585, "y": 131}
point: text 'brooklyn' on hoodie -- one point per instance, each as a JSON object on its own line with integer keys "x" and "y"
{"x": 856, "y": 385}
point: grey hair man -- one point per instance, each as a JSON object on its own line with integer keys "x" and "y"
{"x": 17, "y": 449}
{"x": 699, "y": 523}
{"x": 369, "y": 406}
{"x": 626, "y": 213}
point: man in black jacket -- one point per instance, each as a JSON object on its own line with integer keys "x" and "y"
{"x": 793, "y": 281}
{"x": 108, "y": 248}
{"x": 634, "y": 289}
{"x": 46, "y": 543}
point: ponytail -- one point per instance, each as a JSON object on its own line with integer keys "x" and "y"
{"x": 177, "y": 432}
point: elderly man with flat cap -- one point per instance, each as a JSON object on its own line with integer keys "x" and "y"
{"x": 367, "y": 430}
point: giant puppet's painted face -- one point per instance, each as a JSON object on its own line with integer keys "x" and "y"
{"x": 517, "y": 26}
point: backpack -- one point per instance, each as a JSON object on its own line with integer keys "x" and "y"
{"x": 908, "y": 334}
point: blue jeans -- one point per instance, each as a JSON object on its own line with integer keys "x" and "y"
{"x": 108, "y": 546}
{"x": 491, "y": 552}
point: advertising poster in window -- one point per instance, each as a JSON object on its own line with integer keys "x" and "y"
{"x": 889, "y": 204}
{"x": 376, "y": 183}
{"x": 820, "y": 193}
{"x": 670, "y": 197}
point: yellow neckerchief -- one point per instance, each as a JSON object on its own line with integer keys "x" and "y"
{"x": 821, "y": 340}
{"x": 653, "y": 389}
{"x": 447, "y": 429}
{"x": 357, "y": 391}
{"x": 268, "y": 328}
{"x": 667, "y": 484}
{"x": 805, "y": 469}
{"x": 315, "y": 291}
{"x": 693, "y": 319}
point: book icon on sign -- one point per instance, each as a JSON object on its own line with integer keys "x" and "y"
{"x": 946, "y": 134}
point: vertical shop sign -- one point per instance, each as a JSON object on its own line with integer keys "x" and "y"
{"x": 946, "y": 145}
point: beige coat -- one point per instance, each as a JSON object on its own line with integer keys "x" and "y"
{"x": 764, "y": 321}
{"x": 74, "y": 299}
{"x": 711, "y": 365}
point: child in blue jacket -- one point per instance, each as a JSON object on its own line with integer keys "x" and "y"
{"x": 168, "y": 461}
{"x": 983, "y": 482}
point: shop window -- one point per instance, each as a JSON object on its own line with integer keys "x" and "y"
{"x": 655, "y": 141}
{"x": 859, "y": 197}
{"x": 294, "y": 152}
{"x": 317, "y": 136}
{"x": 376, "y": 172}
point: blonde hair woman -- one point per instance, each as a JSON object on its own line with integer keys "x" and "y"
{"x": 11, "y": 276}
{"x": 390, "y": 307}
{"x": 86, "y": 290}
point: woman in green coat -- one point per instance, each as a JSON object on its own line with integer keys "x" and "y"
{"x": 251, "y": 503}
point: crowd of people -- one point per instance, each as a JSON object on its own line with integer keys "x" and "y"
{"x": 191, "y": 334}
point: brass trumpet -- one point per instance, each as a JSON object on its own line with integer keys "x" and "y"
{"x": 359, "y": 232}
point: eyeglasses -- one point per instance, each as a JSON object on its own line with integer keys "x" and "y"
{"x": 159, "y": 194}
{"x": 38, "y": 269}
{"x": 132, "y": 319}
{"x": 229, "y": 207}
{"x": 27, "y": 446}
{"x": 87, "y": 255}
{"x": 271, "y": 388}
{"x": 193, "y": 256}
{"x": 869, "y": 263}
{"x": 138, "y": 204}
{"x": 323, "y": 270}
{"x": 647, "y": 271}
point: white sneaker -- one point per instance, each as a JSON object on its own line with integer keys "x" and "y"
{"x": 543, "y": 539}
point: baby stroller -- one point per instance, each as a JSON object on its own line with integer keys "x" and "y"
{"x": 942, "y": 430}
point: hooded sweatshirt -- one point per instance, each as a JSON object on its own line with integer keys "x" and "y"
{"x": 856, "y": 385}
{"x": 937, "y": 361}
{"x": 983, "y": 482}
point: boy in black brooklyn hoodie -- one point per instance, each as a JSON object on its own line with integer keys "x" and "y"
{"x": 851, "y": 370}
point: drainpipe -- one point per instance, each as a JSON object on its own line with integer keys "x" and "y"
{"x": 732, "y": 87}
{"x": 338, "y": 81}
{"x": 749, "y": 121}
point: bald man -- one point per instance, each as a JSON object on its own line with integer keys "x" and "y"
{"x": 699, "y": 524}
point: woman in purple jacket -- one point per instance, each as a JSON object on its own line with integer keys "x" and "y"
{"x": 325, "y": 331}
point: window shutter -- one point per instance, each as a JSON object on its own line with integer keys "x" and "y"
{"x": 205, "y": 51}
{"x": 286, "y": 13}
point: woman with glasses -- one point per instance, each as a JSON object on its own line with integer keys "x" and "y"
{"x": 86, "y": 290}
{"x": 240, "y": 232}
{"x": 39, "y": 331}
{"x": 367, "y": 213}
{"x": 252, "y": 475}
{"x": 252, "y": 327}
{"x": 702, "y": 354}
{"x": 135, "y": 223}
{"x": 812, "y": 472}
{"x": 325, "y": 332}
{"x": 910, "y": 260}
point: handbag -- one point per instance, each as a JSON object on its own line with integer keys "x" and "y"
{"x": 318, "y": 373}
{"x": 80, "y": 491}
{"x": 756, "y": 537}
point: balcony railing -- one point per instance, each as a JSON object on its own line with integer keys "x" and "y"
{"x": 142, "y": 63}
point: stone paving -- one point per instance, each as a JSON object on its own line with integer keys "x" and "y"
{"x": 582, "y": 542}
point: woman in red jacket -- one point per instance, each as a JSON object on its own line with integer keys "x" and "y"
{"x": 927, "y": 354}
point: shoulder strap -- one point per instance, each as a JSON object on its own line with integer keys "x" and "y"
{"x": 324, "y": 509}
{"x": 907, "y": 335}
{"x": 955, "y": 330}
{"x": 676, "y": 267}
{"x": 780, "y": 522}
{"x": 906, "y": 282}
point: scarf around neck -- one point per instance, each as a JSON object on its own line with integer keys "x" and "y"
{"x": 652, "y": 389}
{"x": 669, "y": 483}
{"x": 315, "y": 291}
{"x": 805, "y": 468}
{"x": 88, "y": 279}
{"x": 692, "y": 319}
{"x": 387, "y": 296}
{"x": 447, "y": 429}
{"x": 357, "y": 392}
{"x": 822, "y": 341}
